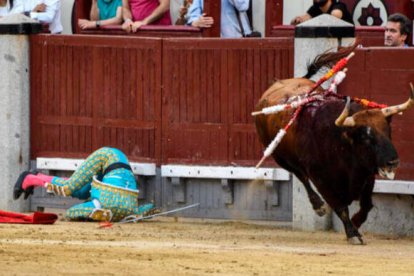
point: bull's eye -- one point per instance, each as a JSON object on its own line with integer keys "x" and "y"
{"x": 368, "y": 136}
{"x": 365, "y": 136}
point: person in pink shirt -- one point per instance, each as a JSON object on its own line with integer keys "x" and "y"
{"x": 137, "y": 13}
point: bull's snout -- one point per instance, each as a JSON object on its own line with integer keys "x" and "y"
{"x": 389, "y": 170}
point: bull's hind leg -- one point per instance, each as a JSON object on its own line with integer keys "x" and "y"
{"x": 365, "y": 203}
{"x": 320, "y": 207}
{"x": 352, "y": 234}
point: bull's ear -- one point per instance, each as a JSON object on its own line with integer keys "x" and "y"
{"x": 389, "y": 119}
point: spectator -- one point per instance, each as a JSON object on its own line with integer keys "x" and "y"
{"x": 182, "y": 19}
{"x": 234, "y": 20}
{"x": 332, "y": 7}
{"x": 10, "y": 7}
{"x": 45, "y": 11}
{"x": 105, "y": 179}
{"x": 397, "y": 30}
{"x": 103, "y": 12}
{"x": 137, "y": 13}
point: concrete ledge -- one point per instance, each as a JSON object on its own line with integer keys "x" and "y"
{"x": 67, "y": 164}
{"x": 19, "y": 24}
{"x": 217, "y": 172}
{"x": 394, "y": 187}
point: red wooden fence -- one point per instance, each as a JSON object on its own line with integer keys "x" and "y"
{"x": 93, "y": 91}
{"x": 183, "y": 100}
{"x": 210, "y": 88}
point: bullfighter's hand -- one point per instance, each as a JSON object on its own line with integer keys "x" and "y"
{"x": 40, "y": 8}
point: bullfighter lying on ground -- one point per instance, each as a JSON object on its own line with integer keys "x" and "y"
{"x": 105, "y": 178}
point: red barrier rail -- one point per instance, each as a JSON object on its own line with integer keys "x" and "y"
{"x": 183, "y": 100}
{"x": 90, "y": 91}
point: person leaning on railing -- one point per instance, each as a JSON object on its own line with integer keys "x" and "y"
{"x": 397, "y": 30}
{"x": 45, "y": 11}
{"x": 103, "y": 12}
{"x": 332, "y": 7}
{"x": 137, "y": 13}
{"x": 234, "y": 20}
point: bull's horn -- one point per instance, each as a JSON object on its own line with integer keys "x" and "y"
{"x": 344, "y": 119}
{"x": 391, "y": 110}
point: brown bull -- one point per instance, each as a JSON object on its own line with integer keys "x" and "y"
{"x": 337, "y": 145}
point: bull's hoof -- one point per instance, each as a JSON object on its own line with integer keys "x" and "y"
{"x": 356, "y": 241}
{"x": 321, "y": 211}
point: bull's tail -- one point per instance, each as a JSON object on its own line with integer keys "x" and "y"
{"x": 328, "y": 59}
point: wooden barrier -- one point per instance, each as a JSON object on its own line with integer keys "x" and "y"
{"x": 210, "y": 88}
{"x": 366, "y": 36}
{"x": 106, "y": 91}
{"x": 183, "y": 101}
{"x": 90, "y": 91}
{"x": 82, "y": 9}
{"x": 147, "y": 31}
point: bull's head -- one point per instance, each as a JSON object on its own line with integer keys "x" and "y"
{"x": 370, "y": 130}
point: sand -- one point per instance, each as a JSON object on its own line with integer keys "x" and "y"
{"x": 171, "y": 246}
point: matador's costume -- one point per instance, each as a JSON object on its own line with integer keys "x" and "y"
{"x": 105, "y": 179}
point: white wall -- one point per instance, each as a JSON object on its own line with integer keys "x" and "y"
{"x": 66, "y": 12}
{"x": 259, "y": 19}
{"x": 292, "y": 8}
{"x": 174, "y": 9}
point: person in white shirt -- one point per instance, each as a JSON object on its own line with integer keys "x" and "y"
{"x": 45, "y": 11}
{"x": 10, "y": 7}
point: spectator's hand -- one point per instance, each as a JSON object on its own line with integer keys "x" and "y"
{"x": 40, "y": 8}
{"x": 183, "y": 11}
{"x": 127, "y": 26}
{"x": 299, "y": 19}
{"x": 203, "y": 21}
{"x": 136, "y": 25}
{"x": 86, "y": 24}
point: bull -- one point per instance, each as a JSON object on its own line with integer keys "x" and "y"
{"x": 338, "y": 145}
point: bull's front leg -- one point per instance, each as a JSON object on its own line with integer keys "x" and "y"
{"x": 365, "y": 203}
{"x": 352, "y": 234}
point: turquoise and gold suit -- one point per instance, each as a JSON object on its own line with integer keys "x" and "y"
{"x": 107, "y": 181}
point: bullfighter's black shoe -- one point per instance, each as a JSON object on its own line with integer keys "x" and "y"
{"x": 18, "y": 189}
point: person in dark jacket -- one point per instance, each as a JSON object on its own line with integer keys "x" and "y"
{"x": 319, "y": 7}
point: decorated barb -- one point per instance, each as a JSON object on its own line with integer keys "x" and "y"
{"x": 299, "y": 102}
{"x": 340, "y": 71}
{"x": 338, "y": 67}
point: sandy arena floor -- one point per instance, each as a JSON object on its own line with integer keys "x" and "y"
{"x": 168, "y": 246}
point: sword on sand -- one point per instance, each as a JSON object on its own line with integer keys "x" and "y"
{"x": 135, "y": 218}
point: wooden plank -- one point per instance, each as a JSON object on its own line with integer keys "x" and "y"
{"x": 74, "y": 100}
{"x": 273, "y": 15}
